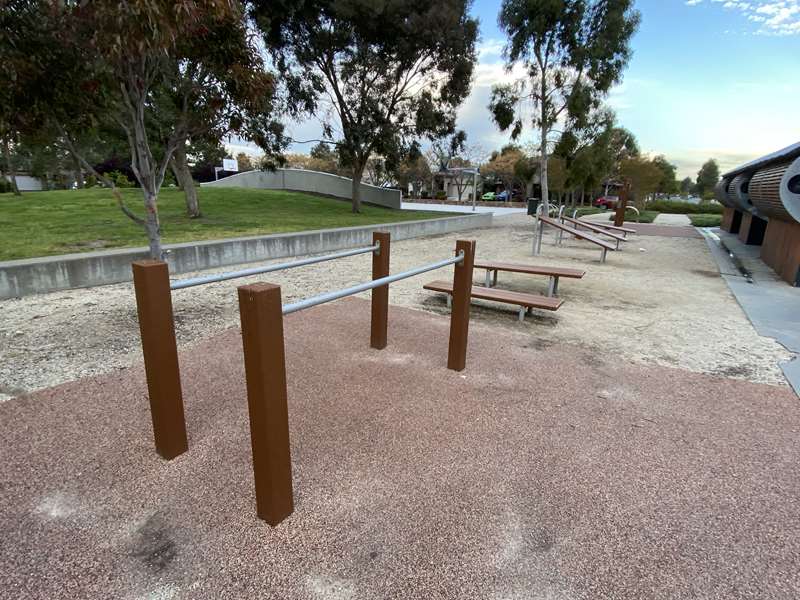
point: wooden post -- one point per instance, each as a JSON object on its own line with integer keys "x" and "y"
{"x": 622, "y": 206}
{"x": 157, "y": 328}
{"x": 380, "y": 295}
{"x": 459, "y": 315}
{"x": 265, "y": 372}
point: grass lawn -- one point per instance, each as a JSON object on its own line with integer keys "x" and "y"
{"x": 585, "y": 210}
{"x": 645, "y": 216}
{"x": 65, "y": 221}
{"x": 706, "y": 220}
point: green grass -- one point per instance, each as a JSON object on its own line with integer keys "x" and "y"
{"x": 586, "y": 210}
{"x": 645, "y": 216}
{"x": 60, "y": 222}
{"x": 706, "y": 220}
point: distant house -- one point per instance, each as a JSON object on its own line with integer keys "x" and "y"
{"x": 450, "y": 181}
{"x": 27, "y": 183}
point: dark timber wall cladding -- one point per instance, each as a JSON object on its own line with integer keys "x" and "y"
{"x": 752, "y": 230}
{"x": 738, "y": 192}
{"x": 781, "y": 249}
{"x": 731, "y": 220}
{"x": 765, "y": 192}
{"x": 721, "y": 192}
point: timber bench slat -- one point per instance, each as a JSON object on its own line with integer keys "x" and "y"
{"x": 530, "y": 269}
{"x": 583, "y": 235}
{"x": 611, "y": 227}
{"x": 554, "y": 273}
{"x": 521, "y": 299}
{"x": 592, "y": 227}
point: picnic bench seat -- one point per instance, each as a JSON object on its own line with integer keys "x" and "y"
{"x": 597, "y": 229}
{"x": 554, "y": 273}
{"x": 526, "y": 302}
{"x": 583, "y": 235}
{"x": 623, "y": 230}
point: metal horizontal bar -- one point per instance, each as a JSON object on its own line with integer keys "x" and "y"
{"x": 363, "y": 287}
{"x": 185, "y": 283}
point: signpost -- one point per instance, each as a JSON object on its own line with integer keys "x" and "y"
{"x": 228, "y": 164}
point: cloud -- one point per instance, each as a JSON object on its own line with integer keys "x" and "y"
{"x": 770, "y": 17}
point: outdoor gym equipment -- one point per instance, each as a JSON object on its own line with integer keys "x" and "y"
{"x": 262, "y": 312}
{"x": 157, "y": 327}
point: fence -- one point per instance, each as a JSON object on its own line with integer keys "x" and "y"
{"x": 262, "y": 311}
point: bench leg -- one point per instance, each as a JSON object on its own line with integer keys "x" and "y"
{"x": 494, "y": 279}
{"x": 552, "y": 289}
{"x": 603, "y": 255}
{"x": 617, "y": 244}
{"x": 521, "y": 314}
{"x": 449, "y": 301}
{"x": 488, "y": 278}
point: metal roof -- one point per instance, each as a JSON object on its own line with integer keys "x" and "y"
{"x": 788, "y": 153}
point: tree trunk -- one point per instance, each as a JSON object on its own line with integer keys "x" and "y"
{"x": 184, "y": 178}
{"x": 12, "y": 176}
{"x": 152, "y": 225}
{"x": 78, "y": 173}
{"x": 358, "y": 173}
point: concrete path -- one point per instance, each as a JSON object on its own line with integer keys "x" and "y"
{"x": 464, "y": 208}
{"x": 541, "y": 471}
{"x": 668, "y": 219}
{"x": 769, "y": 302}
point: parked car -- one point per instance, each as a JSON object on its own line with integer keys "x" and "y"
{"x": 502, "y": 196}
{"x": 609, "y": 202}
{"x": 488, "y": 196}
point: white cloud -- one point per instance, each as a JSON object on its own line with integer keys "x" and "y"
{"x": 772, "y": 17}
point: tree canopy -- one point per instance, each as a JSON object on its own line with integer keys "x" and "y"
{"x": 572, "y": 52}
{"x": 379, "y": 75}
{"x": 707, "y": 178}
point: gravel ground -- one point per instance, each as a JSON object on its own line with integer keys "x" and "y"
{"x": 552, "y": 473}
{"x": 660, "y": 301}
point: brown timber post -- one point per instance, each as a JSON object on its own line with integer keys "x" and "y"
{"x": 622, "y": 206}
{"x": 459, "y": 315}
{"x": 265, "y": 373}
{"x": 157, "y": 328}
{"x": 380, "y": 295}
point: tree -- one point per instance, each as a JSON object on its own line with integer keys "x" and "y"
{"x": 244, "y": 162}
{"x": 707, "y": 178}
{"x": 687, "y": 185}
{"x": 414, "y": 171}
{"x": 390, "y": 72}
{"x": 572, "y": 51}
{"x": 155, "y": 69}
{"x": 377, "y": 173}
{"x": 503, "y": 167}
{"x": 642, "y": 175}
{"x": 668, "y": 183}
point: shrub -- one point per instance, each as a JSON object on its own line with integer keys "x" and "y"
{"x": 5, "y": 186}
{"x": 120, "y": 179}
{"x": 685, "y": 208}
{"x": 90, "y": 181}
{"x": 706, "y": 220}
{"x": 441, "y": 195}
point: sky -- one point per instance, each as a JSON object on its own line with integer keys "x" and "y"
{"x": 708, "y": 79}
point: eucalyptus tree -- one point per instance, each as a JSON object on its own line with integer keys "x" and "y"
{"x": 380, "y": 75}
{"x": 157, "y": 70}
{"x": 572, "y": 52}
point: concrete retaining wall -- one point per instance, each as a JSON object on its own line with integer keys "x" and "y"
{"x": 48, "y": 274}
{"x": 300, "y": 180}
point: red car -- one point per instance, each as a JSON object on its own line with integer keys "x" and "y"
{"x": 609, "y": 202}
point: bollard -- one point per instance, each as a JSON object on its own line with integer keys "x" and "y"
{"x": 157, "y": 328}
{"x": 459, "y": 315}
{"x": 265, "y": 373}
{"x": 380, "y": 295}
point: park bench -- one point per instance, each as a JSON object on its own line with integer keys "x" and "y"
{"x": 554, "y": 273}
{"x": 595, "y": 228}
{"x": 582, "y": 235}
{"x": 623, "y": 230}
{"x": 526, "y": 302}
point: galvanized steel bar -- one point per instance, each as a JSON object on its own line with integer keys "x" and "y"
{"x": 363, "y": 287}
{"x": 185, "y": 283}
